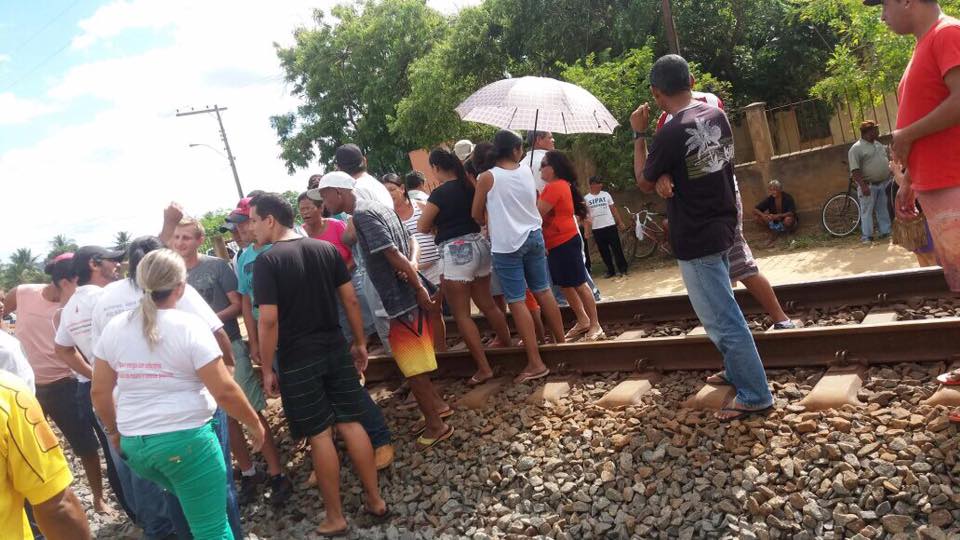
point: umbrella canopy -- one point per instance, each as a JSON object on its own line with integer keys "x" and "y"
{"x": 537, "y": 103}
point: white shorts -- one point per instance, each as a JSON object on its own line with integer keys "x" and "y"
{"x": 466, "y": 258}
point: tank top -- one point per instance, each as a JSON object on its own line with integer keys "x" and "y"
{"x": 428, "y": 247}
{"x": 512, "y": 209}
{"x": 35, "y": 315}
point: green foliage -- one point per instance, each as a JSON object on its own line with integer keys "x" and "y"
{"x": 213, "y": 220}
{"x": 350, "y": 77}
{"x": 60, "y": 244}
{"x": 121, "y": 241}
{"x": 24, "y": 267}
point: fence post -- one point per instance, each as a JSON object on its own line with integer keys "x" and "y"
{"x": 759, "y": 132}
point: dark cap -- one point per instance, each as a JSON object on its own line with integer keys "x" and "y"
{"x": 84, "y": 255}
{"x": 872, "y": 2}
{"x": 227, "y": 227}
{"x": 349, "y": 158}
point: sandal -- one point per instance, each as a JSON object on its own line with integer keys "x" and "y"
{"x": 719, "y": 379}
{"x": 951, "y": 378}
{"x": 599, "y": 335}
{"x": 476, "y": 381}
{"x": 576, "y": 331}
{"x": 422, "y": 422}
{"x": 527, "y": 377}
{"x": 742, "y": 413}
{"x": 425, "y": 443}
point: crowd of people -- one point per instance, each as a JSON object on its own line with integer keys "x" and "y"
{"x": 150, "y": 372}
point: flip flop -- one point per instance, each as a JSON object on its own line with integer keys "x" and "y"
{"x": 576, "y": 331}
{"x": 742, "y": 413}
{"x": 334, "y": 534}
{"x": 378, "y": 518}
{"x": 425, "y": 443}
{"x": 944, "y": 379}
{"x": 474, "y": 381}
{"x": 422, "y": 422}
{"x": 719, "y": 379}
{"x": 954, "y": 417}
{"x": 527, "y": 377}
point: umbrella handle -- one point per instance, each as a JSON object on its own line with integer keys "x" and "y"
{"x": 536, "y": 118}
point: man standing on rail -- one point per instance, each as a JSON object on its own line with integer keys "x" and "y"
{"x": 743, "y": 267}
{"x": 928, "y": 130}
{"x": 691, "y": 165}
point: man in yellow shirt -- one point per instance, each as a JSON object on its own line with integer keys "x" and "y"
{"x": 32, "y": 467}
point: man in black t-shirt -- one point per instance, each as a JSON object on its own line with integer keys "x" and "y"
{"x": 778, "y": 212}
{"x": 690, "y": 164}
{"x": 297, "y": 284}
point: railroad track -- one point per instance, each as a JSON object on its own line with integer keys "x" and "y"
{"x": 881, "y": 336}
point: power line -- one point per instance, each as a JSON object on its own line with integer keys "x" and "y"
{"x": 45, "y": 26}
{"x": 36, "y": 67}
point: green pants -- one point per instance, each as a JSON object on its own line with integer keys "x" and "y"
{"x": 190, "y": 464}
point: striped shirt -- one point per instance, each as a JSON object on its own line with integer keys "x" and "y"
{"x": 428, "y": 248}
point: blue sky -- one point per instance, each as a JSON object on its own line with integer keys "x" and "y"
{"x": 89, "y": 141}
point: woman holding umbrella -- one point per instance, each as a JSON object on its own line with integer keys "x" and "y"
{"x": 507, "y": 193}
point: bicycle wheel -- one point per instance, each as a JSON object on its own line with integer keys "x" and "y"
{"x": 841, "y": 214}
{"x": 644, "y": 247}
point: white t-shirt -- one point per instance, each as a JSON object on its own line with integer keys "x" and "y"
{"x": 123, "y": 295}
{"x": 75, "y": 322}
{"x": 159, "y": 391}
{"x": 600, "y": 212}
{"x": 535, "y": 167}
{"x": 368, "y": 188}
{"x": 13, "y": 360}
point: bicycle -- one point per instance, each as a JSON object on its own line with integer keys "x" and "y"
{"x": 841, "y": 212}
{"x": 648, "y": 234}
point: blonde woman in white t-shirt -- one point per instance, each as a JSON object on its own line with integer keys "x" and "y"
{"x": 169, "y": 378}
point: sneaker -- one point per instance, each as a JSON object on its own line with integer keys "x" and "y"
{"x": 281, "y": 489}
{"x": 249, "y": 487}
{"x": 785, "y": 325}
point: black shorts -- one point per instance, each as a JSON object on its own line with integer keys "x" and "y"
{"x": 319, "y": 392}
{"x": 565, "y": 261}
{"x": 59, "y": 402}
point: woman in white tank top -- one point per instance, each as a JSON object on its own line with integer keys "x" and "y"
{"x": 506, "y": 200}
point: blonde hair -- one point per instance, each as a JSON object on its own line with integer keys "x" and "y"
{"x": 159, "y": 273}
{"x": 188, "y": 221}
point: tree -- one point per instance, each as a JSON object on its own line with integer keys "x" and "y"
{"x": 350, "y": 77}
{"x": 61, "y": 244}
{"x": 23, "y": 268}
{"x": 121, "y": 241}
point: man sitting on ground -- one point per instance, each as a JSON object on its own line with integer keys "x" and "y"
{"x": 778, "y": 212}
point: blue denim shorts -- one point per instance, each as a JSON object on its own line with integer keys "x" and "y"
{"x": 525, "y": 268}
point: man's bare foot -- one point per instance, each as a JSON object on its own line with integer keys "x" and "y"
{"x": 375, "y": 504}
{"x": 102, "y": 507}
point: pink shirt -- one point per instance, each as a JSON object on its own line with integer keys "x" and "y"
{"x": 333, "y": 233}
{"x": 35, "y": 330}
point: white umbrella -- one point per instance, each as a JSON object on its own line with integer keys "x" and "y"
{"x": 537, "y": 103}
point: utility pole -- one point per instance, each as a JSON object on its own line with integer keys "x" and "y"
{"x": 223, "y": 135}
{"x": 672, "y": 41}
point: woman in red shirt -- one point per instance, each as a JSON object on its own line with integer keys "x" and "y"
{"x": 559, "y": 202}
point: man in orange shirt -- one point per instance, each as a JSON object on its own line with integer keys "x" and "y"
{"x": 927, "y": 137}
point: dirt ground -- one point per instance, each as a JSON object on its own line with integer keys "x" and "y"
{"x": 784, "y": 263}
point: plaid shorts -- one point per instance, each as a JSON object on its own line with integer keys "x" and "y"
{"x": 320, "y": 392}
{"x": 742, "y": 263}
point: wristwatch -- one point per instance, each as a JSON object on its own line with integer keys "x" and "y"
{"x": 641, "y": 134}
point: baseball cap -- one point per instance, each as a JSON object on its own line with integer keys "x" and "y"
{"x": 242, "y": 212}
{"x": 463, "y": 148}
{"x": 227, "y": 227}
{"x": 336, "y": 179}
{"x": 872, "y": 2}
{"x": 94, "y": 253}
{"x": 349, "y": 158}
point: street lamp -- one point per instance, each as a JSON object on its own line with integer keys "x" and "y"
{"x": 236, "y": 179}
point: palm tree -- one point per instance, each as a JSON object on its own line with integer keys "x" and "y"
{"x": 121, "y": 241}
{"x": 61, "y": 244}
{"x": 23, "y": 268}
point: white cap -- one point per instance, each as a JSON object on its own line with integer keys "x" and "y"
{"x": 336, "y": 179}
{"x": 462, "y": 149}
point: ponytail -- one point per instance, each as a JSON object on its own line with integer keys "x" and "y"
{"x": 447, "y": 161}
{"x": 160, "y": 273}
{"x": 563, "y": 168}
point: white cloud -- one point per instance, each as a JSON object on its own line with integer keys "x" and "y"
{"x": 4, "y": 58}
{"x": 15, "y": 110}
{"x": 117, "y": 170}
